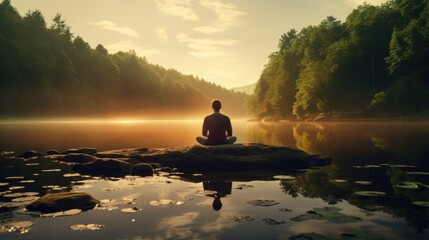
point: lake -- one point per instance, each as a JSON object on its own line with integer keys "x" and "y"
{"x": 377, "y": 186}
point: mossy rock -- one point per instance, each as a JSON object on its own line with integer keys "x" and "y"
{"x": 56, "y": 202}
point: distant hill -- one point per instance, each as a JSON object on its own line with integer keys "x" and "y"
{"x": 246, "y": 89}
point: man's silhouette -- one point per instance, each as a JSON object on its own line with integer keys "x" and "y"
{"x": 217, "y": 128}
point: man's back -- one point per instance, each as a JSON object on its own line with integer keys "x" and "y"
{"x": 218, "y": 127}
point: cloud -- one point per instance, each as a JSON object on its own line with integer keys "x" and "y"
{"x": 161, "y": 33}
{"x": 227, "y": 15}
{"x": 360, "y": 2}
{"x": 180, "y": 8}
{"x": 129, "y": 45}
{"x": 179, "y": 227}
{"x": 111, "y": 26}
{"x": 205, "y": 47}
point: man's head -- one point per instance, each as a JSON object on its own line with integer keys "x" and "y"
{"x": 216, "y": 105}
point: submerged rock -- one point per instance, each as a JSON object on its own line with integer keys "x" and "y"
{"x": 56, "y": 202}
{"x": 142, "y": 169}
{"x": 30, "y": 154}
{"x": 104, "y": 167}
{"x": 86, "y": 150}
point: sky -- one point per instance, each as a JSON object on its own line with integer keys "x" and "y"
{"x": 226, "y": 42}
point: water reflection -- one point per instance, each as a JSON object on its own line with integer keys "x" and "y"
{"x": 217, "y": 190}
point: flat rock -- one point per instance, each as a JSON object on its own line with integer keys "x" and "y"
{"x": 56, "y": 202}
{"x": 232, "y": 157}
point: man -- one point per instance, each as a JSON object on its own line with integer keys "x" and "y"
{"x": 217, "y": 128}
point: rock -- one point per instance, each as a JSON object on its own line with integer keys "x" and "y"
{"x": 30, "y": 154}
{"x": 142, "y": 169}
{"x": 104, "y": 167}
{"x": 232, "y": 158}
{"x": 56, "y": 202}
{"x": 78, "y": 158}
{"x": 86, "y": 150}
{"x": 51, "y": 152}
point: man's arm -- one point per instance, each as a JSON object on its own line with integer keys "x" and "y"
{"x": 228, "y": 128}
{"x": 205, "y": 127}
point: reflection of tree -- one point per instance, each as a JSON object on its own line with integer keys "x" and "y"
{"x": 318, "y": 183}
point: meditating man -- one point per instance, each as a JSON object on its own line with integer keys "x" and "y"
{"x": 217, "y": 128}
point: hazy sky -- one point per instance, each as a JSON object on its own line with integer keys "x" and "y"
{"x": 223, "y": 41}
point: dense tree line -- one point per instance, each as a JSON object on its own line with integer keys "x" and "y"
{"x": 46, "y": 71}
{"x": 373, "y": 64}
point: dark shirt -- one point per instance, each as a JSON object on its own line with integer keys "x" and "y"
{"x": 218, "y": 126}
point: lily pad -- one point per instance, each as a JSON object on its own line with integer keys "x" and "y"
{"x": 15, "y": 177}
{"x": 308, "y": 236}
{"x": 20, "y": 194}
{"x": 131, "y": 210}
{"x": 86, "y": 227}
{"x": 27, "y": 181}
{"x": 284, "y": 177}
{"x": 411, "y": 185}
{"x": 262, "y": 203}
{"x": 25, "y": 199}
{"x": 360, "y": 236}
{"x": 363, "y": 182}
{"x": 161, "y": 202}
{"x": 339, "y": 180}
{"x": 418, "y": 173}
{"x": 20, "y": 227}
{"x": 370, "y": 193}
{"x": 70, "y": 212}
{"x": 270, "y": 221}
{"x": 242, "y": 219}
{"x": 331, "y": 214}
{"x": 285, "y": 210}
{"x": 421, "y": 203}
{"x": 371, "y": 166}
{"x": 16, "y": 187}
{"x": 72, "y": 175}
{"x": 52, "y": 170}
{"x": 3, "y": 184}
{"x": 244, "y": 186}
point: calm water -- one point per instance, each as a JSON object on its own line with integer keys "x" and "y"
{"x": 381, "y": 157}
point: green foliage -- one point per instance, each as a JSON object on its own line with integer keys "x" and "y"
{"x": 46, "y": 71}
{"x": 373, "y": 63}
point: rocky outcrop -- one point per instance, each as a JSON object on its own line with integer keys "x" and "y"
{"x": 56, "y": 202}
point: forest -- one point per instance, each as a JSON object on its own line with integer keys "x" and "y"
{"x": 47, "y": 71}
{"x": 374, "y": 64}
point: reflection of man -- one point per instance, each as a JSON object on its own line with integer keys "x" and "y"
{"x": 221, "y": 188}
{"x": 217, "y": 128}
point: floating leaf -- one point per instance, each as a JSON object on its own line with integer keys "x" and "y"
{"x": 3, "y": 184}
{"x": 84, "y": 186}
{"x": 285, "y": 210}
{"x": 16, "y": 187}
{"x": 370, "y": 193}
{"x": 339, "y": 180}
{"x": 131, "y": 210}
{"x": 86, "y": 227}
{"x": 242, "y": 219}
{"x": 32, "y": 164}
{"x": 52, "y": 170}
{"x": 409, "y": 185}
{"x": 27, "y": 181}
{"x": 20, "y": 227}
{"x": 418, "y": 173}
{"x": 421, "y": 203}
{"x": 15, "y": 177}
{"x": 161, "y": 202}
{"x": 284, "y": 177}
{"x": 72, "y": 175}
{"x": 361, "y": 236}
{"x": 327, "y": 213}
{"x": 63, "y": 213}
{"x": 308, "y": 236}
{"x": 271, "y": 221}
{"x": 363, "y": 182}
{"x": 263, "y": 203}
